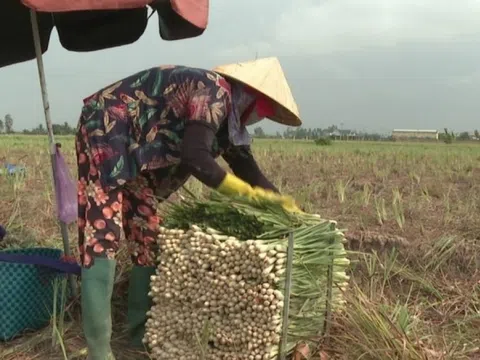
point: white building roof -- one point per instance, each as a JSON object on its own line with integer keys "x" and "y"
{"x": 411, "y": 130}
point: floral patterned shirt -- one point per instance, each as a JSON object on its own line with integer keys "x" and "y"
{"x": 137, "y": 124}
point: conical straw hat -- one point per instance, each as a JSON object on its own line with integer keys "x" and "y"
{"x": 266, "y": 76}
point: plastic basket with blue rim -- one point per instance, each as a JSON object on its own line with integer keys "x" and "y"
{"x": 27, "y": 288}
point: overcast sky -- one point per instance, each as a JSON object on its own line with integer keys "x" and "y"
{"x": 366, "y": 64}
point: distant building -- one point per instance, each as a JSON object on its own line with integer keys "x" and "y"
{"x": 335, "y": 134}
{"x": 343, "y": 134}
{"x": 414, "y": 134}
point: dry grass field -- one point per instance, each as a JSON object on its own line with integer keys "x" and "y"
{"x": 412, "y": 216}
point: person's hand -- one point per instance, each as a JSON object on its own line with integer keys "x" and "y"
{"x": 233, "y": 185}
{"x": 287, "y": 202}
{"x": 290, "y": 205}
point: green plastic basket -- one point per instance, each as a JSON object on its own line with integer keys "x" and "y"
{"x": 26, "y": 293}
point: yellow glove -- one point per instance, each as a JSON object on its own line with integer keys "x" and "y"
{"x": 232, "y": 185}
{"x": 289, "y": 204}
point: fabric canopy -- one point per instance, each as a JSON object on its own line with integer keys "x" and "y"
{"x": 194, "y": 11}
{"x": 112, "y": 23}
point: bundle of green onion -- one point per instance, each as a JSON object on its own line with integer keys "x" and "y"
{"x": 219, "y": 286}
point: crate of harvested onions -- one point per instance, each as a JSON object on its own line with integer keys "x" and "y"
{"x": 220, "y": 285}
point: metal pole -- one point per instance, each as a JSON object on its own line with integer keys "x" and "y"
{"x": 48, "y": 121}
{"x": 286, "y": 301}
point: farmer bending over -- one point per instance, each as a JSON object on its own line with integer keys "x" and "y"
{"x": 140, "y": 139}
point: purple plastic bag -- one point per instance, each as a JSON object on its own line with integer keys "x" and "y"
{"x": 65, "y": 190}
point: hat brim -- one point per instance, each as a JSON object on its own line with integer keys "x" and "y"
{"x": 282, "y": 115}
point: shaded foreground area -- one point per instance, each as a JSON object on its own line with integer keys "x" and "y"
{"x": 411, "y": 211}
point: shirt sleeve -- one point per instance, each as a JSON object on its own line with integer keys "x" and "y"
{"x": 243, "y": 164}
{"x": 197, "y": 158}
{"x": 196, "y": 154}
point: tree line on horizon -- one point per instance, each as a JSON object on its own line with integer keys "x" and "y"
{"x": 334, "y": 133}
{"x": 299, "y": 133}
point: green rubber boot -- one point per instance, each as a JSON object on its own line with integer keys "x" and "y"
{"x": 138, "y": 303}
{"x": 97, "y": 287}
